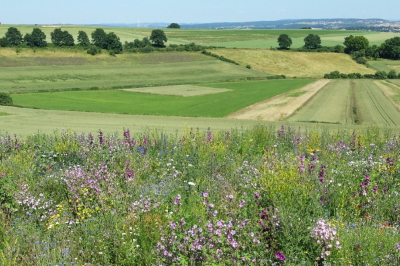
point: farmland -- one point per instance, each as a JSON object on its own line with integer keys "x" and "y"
{"x": 294, "y": 64}
{"x": 221, "y": 104}
{"x": 169, "y": 158}
{"x": 350, "y": 102}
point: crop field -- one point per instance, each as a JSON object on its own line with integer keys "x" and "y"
{"x": 373, "y": 107}
{"x": 179, "y": 90}
{"x": 385, "y": 65}
{"x": 294, "y": 64}
{"x": 350, "y": 102}
{"x": 17, "y": 79}
{"x": 223, "y": 38}
{"x": 241, "y": 95}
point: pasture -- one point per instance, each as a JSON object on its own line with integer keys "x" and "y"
{"x": 385, "y": 65}
{"x": 294, "y": 64}
{"x": 238, "y": 96}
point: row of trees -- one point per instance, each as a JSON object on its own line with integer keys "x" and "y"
{"x": 378, "y": 75}
{"x": 99, "y": 38}
{"x": 357, "y": 46}
{"x": 312, "y": 41}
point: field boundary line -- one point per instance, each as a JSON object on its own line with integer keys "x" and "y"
{"x": 309, "y": 100}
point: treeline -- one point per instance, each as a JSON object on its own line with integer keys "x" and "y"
{"x": 357, "y": 46}
{"x": 378, "y": 75}
{"x": 59, "y": 38}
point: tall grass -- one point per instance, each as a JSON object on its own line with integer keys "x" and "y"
{"x": 240, "y": 197}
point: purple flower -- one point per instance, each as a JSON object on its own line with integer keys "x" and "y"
{"x": 398, "y": 246}
{"x": 256, "y": 195}
{"x": 279, "y": 255}
{"x": 205, "y": 194}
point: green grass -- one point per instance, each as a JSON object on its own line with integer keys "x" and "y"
{"x": 373, "y": 106}
{"x": 385, "y": 65}
{"x": 179, "y": 90}
{"x": 23, "y": 79}
{"x": 350, "y": 102}
{"x": 3, "y": 113}
{"x": 118, "y": 101}
{"x": 331, "y": 105}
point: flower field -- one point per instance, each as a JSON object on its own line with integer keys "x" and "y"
{"x": 241, "y": 197}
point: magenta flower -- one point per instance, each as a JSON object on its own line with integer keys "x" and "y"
{"x": 279, "y": 255}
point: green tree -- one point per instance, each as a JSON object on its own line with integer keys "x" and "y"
{"x": 158, "y": 38}
{"x": 284, "y": 41}
{"x": 99, "y": 38}
{"x": 36, "y": 39}
{"x": 174, "y": 26}
{"x": 14, "y": 36}
{"x": 113, "y": 43}
{"x": 4, "y": 42}
{"x": 5, "y": 99}
{"x": 312, "y": 41}
{"x": 390, "y": 49}
{"x": 355, "y": 43}
{"x": 83, "y": 39}
{"x": 62, "y": 38}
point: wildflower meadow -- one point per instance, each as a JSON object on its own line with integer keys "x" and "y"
{"x": 242, "y": 197}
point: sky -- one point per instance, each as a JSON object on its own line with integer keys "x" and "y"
{"x": 189, "y": 11}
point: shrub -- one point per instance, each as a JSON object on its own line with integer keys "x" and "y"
{"x": 93, "y": 50}
{"x": 5, "y": 99}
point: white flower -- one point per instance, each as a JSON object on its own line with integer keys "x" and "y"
{"x": 191, "y": 183}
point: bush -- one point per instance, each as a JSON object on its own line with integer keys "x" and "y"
{"x": 5, "y": 99}
{"x": 93, "y": 50}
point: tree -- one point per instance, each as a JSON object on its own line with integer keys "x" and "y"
{"x": 99, "y": 38}
{"x": 284, "y": 41}
{"x": 13, "y": 36}
{"x": 355, "y": 43}
{"x": 174, "y": 26}
{"x": 312, "y": 41}
{"x": 36, "y": 39}
{"x": 390, "y": 48}
{"x": 83, "y": 39}
{"x": 5, "y": 99}
{"x": 113, "y": 43}
{"x": 158, "y": 38}
{"x": 4, "y": 42}
{"x": 62, "y": 38}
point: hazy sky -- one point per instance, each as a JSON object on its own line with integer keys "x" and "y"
{"x": 189, "y": 11}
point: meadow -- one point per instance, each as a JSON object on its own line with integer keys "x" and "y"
{"x": 240, "y": 197}
{"x": 241, "y": 94}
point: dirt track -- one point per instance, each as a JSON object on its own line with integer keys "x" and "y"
{"x": 280, "y": 106}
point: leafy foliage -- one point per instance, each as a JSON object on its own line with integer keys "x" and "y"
{"x": 158, "y": 38}
{"x": 61, "y": 38}
{"x": 174, "y": 26}
{"x": 36, "y": 39}
{"x": 5, "y": 99}
{"x": 312, "y": 41}
{"x": 284, "y": 41}
{"x": 355, "y": 43}
{"x": 83, "y": 39}
{"x": 13, "y": 36}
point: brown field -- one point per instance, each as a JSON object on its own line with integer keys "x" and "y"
{"x": 281, "y": 106}
{"x": 294, "y": 64}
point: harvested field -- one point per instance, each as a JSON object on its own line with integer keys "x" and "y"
{"x": 333, "y": 104}
{"x": 392, "y": 91}
{"x": 294, "y": 64}
{"x": 281, "y": 106}
{"x": 179, "y": 90}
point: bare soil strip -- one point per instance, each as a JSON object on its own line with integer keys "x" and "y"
{"x": 281, "y": 106}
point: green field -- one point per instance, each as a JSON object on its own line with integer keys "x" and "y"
{"x": 242, "y": 94}
{"x": 225, "y": 38}
{"x": 294, "y": 64}
{"x": 331, "y": 105}
{"x": 18, "y": 79}
{"x": 350, "y": 102}
{"x": 385, "y": 65}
